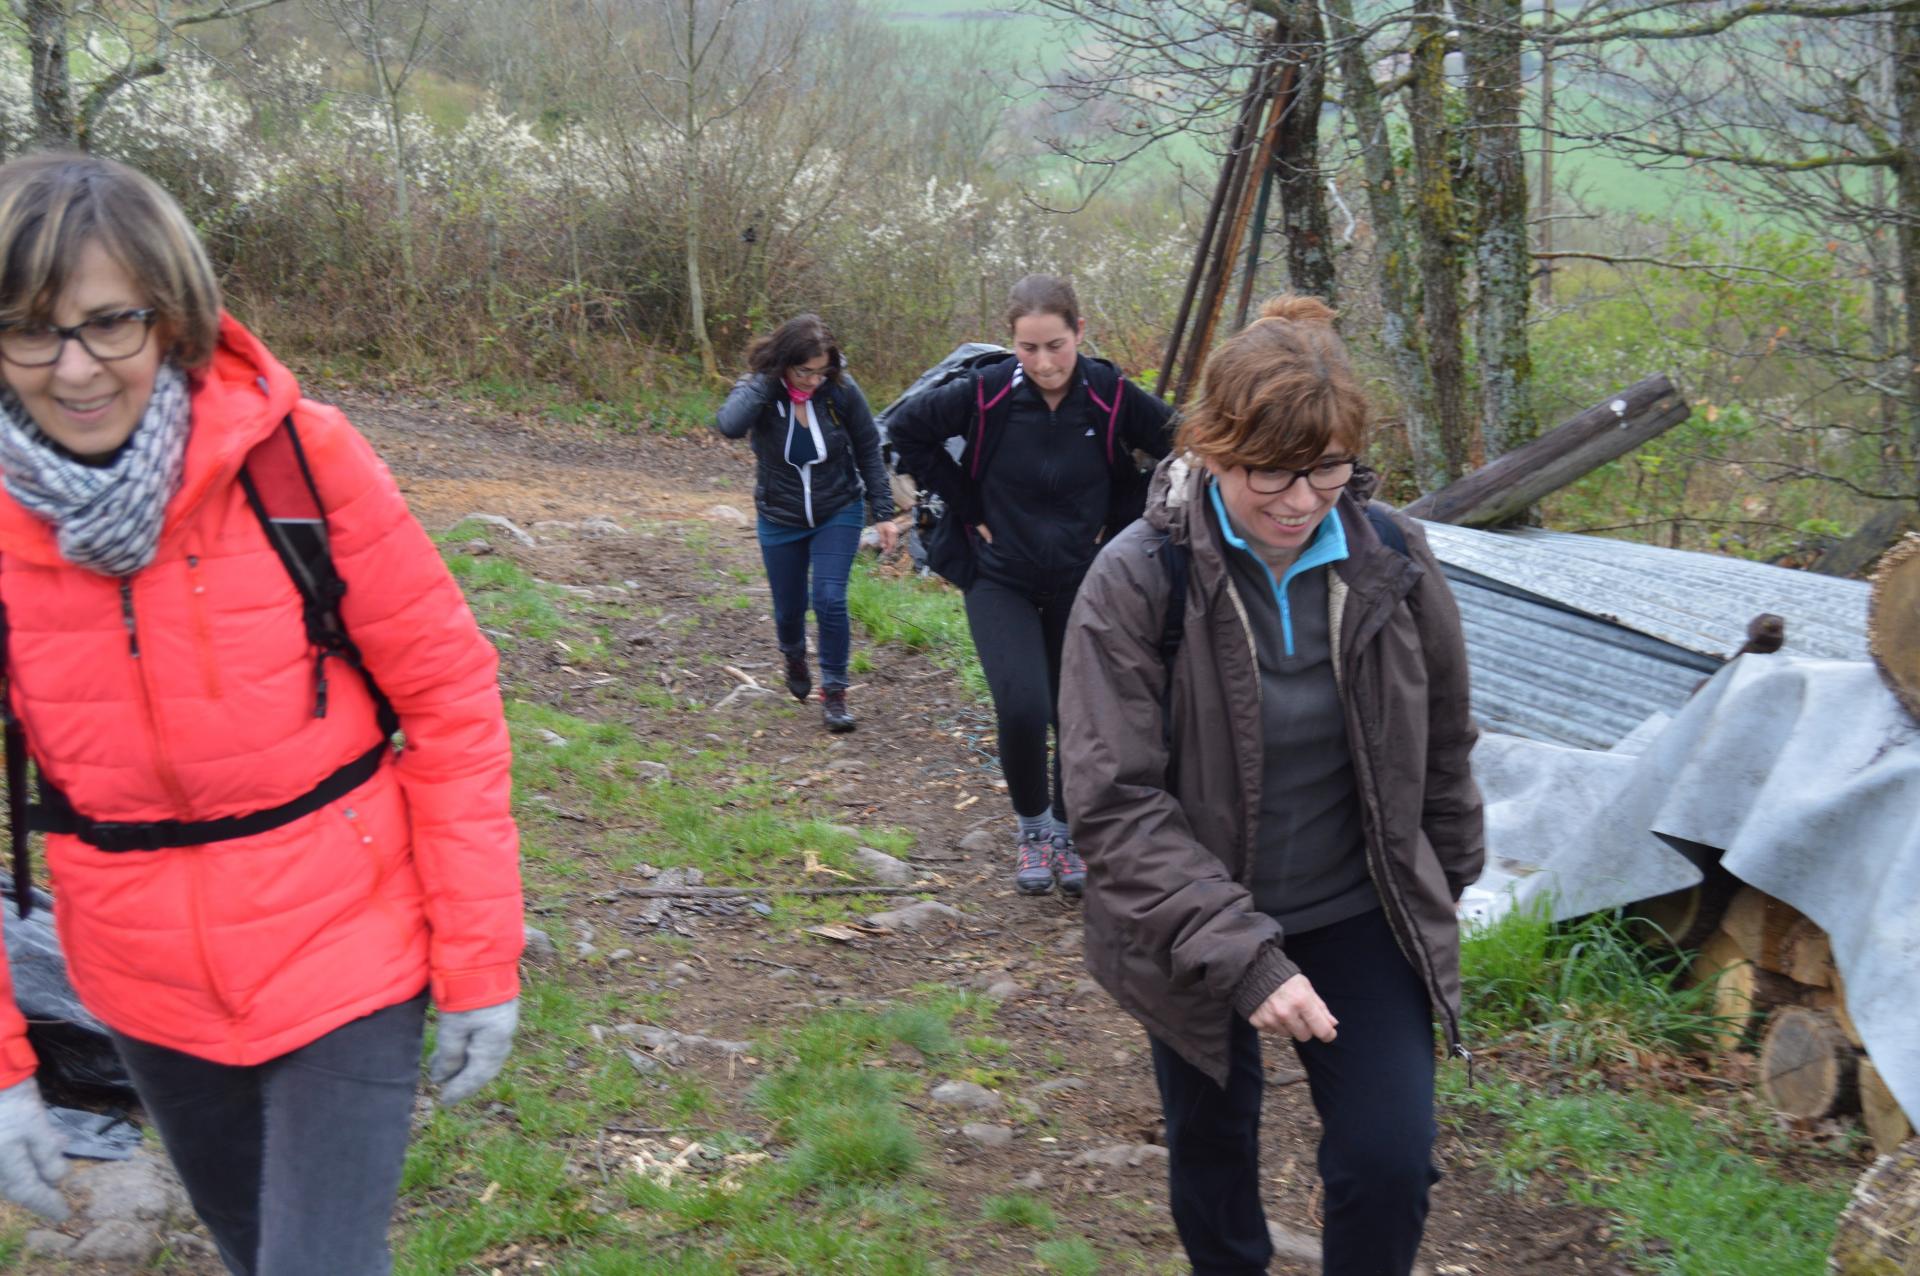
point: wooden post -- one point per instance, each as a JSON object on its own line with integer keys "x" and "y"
{"x": 1237, "y": 147}
{"x": 1502, "y": 490}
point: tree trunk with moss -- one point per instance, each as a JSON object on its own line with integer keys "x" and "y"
{"x": 1503, "y": 257}
{"x": 1296, "y": 160}
{"x": 1906, "y": 84}
{"x": 1399, "y": 326}
{"x": 1437, "y": 217}
{"x": 54, "y": 123}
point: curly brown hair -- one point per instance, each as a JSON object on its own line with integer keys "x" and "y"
{"x": 799, "y": 339}
{"x": 1278, "y": 393}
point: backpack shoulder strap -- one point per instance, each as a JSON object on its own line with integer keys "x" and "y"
{"x": 16, "y": 768}
{"x": 993, "y": 380}
{"x": 279, "y": 487}
{"x": 1175, "y": 560}
{"x": 1106, "y": 387}
{"x": 1387, "y": 530}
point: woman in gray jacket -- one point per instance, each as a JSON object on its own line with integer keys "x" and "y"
{"x": 819, "y": 474}
{"x": 1265, "y": 739}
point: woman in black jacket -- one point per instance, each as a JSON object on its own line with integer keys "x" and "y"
{"x": 819, "y": 472}
{"x": 1046, "y": 476}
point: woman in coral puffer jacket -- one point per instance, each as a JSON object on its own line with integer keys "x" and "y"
{"x": 267, "y": 985}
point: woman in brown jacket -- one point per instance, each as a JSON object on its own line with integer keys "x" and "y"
{"x": 1265, "y": 737}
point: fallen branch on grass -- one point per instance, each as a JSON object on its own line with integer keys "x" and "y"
{"x": 736, "y": 892}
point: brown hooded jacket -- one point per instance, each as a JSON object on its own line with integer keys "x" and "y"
{"x": 1168, "y": 827}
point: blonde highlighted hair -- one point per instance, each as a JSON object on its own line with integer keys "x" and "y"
{"x": 52, "y": 205}
{"x": 1278, "y": 393}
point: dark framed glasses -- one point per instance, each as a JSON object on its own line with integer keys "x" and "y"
{"x": 119, "y": 335}
{"x": 1327, "y": 475}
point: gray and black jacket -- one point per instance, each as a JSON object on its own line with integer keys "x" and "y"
{"x": 849, "y": 468}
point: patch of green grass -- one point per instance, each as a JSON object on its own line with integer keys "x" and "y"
{"x": 923, "y": 614}
{"x": 1688, "y": 1190}
{"x": 1070, "y": 1257}
{"x": 1584, "y": 991}
{"x": 506, "y": 598}
{"x": 860, "y": 662}
{"x": 1024, "y": 1210}
{"x": 852, "y": 1143}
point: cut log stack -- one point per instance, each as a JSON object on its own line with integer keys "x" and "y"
{"x": 1771, "y": 970}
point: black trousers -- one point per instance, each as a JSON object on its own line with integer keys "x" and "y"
{"x": 1018, "y": 635}
{"x": 1373, "y": 1087}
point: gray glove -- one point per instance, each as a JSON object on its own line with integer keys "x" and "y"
{"x": 32, "y": 1153}
{"x": 471, "y": 1047}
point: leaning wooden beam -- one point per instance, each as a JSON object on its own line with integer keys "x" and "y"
{"x": 1501, "y": 490}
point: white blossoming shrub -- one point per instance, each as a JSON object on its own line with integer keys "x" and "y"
{"x": 559, "y": 252}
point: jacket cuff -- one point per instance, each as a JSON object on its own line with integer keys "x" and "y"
{"x": 1269, "y": 970}
{"x": 17, "y": 1061}
{"x": 475, "y": 989}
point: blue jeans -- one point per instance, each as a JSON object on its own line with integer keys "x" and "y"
{"x": 293, "y": 1164}
{"x": 828, "y": 549}
{"x": 1373, "y": 1088}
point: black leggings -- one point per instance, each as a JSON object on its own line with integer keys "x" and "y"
{"x": 1018, "y": 635}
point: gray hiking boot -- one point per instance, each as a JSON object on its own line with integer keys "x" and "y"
{"x": 1033, "y": 865}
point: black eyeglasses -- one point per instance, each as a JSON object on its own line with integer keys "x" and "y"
{"x": 1329, "y": 475}
{"x": 799, "y": 373}
{"x": 120, "y": 335}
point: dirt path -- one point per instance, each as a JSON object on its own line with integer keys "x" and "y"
{"x": 922, "y": 760}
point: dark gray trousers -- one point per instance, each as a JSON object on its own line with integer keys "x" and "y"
{"x": 292, "y": 1164}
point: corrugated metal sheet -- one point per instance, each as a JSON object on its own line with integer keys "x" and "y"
{"x": 1577, "y": 639}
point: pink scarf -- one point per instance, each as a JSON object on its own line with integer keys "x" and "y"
{"x": 795, "y": 393}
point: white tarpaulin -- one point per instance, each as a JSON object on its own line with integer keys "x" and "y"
{"x": 1804, "y": 774}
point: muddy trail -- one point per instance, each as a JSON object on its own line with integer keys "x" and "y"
{"x": 631, "y": 548}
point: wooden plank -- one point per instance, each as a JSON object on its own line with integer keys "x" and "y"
{"x": 1501, "y": 490}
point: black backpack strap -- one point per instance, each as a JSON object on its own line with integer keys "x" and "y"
{"x": 1388, "y": 531}
{"x": 279, "y": 487}
{"x": 16, "y": 749}
{"x": 1176, "y": 560}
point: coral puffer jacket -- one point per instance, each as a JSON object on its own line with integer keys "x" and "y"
{"x": 186, "y": 692}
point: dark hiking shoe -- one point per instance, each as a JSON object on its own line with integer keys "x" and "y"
{"x": 834, "y": 709}
{"x": 1068, "y": 866}
{"x": 1033, "y": 866}
{"x": 799, "y": 681}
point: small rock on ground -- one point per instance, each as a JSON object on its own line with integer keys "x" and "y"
{"x": 915, "y": 917}
{"x": 539, "y": 943}
{"x": 980, "y": 841}
{"x": 1031, "y": 1181}
{"x": 965, "y": 1094}
{"x": 46, "y": 1243}
{"x": 727, "y": 515}
{"x": 1116, "y": 1156}
{"x": 1003, "y": 989}
{"x": 878, "y": 866}
{"x": 505, "y": 524}
{"x": 986, "y": 1135}
{"x": 118, "y": 1241}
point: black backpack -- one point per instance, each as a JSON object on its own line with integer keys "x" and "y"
{"x": 280, "y": 489}
{"x": 994, "y": 369}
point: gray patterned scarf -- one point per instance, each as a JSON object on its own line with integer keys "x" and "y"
{"x": 106, "y": 517}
